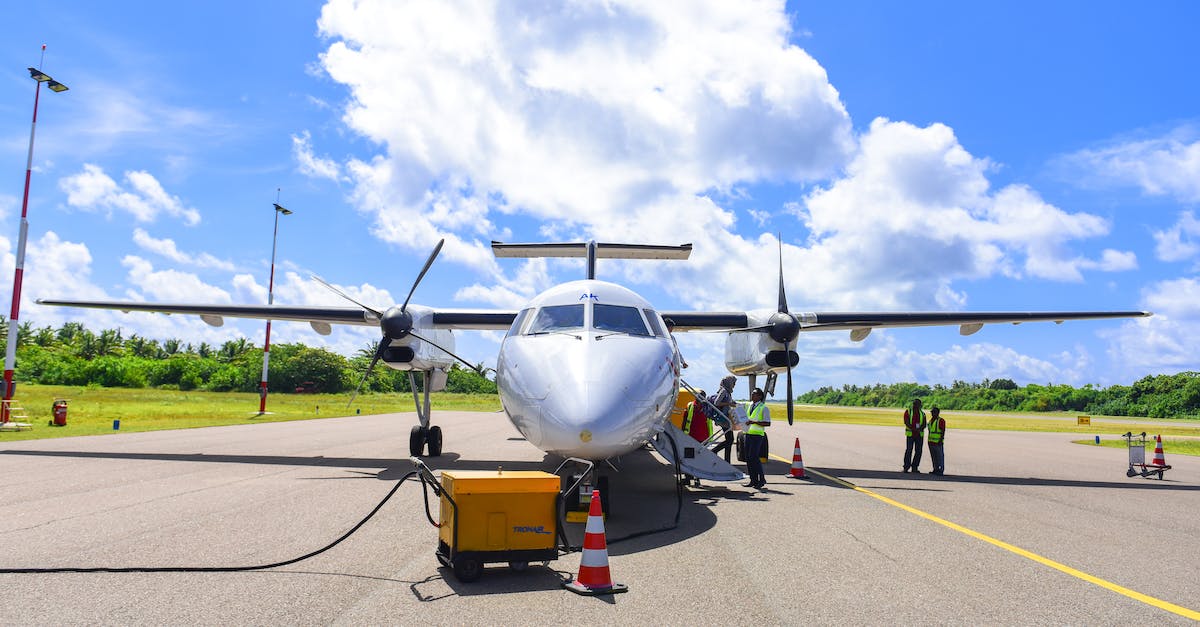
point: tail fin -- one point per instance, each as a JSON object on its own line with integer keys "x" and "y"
{"x": 592, "y": 250}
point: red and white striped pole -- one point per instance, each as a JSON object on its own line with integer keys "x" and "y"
{"x": 10, "y": 353}
{"x": 262, "y": 393}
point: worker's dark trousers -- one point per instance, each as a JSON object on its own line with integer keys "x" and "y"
{"x": 937, "y": 454}
{"x": 911, "y": 459}
{"x": 753, "y": 453}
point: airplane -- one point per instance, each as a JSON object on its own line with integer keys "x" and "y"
{"x": 588, "y": 369}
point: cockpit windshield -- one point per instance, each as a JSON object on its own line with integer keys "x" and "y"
{"x": 618, "y": 319}
{"x": 557, "y": 318}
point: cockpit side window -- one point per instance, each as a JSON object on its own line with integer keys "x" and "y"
{"x": 518, "y": 322}
{"x": 619, "y": 319}
{"x": 557, "y": 318}
{"x": 655, "y": 325}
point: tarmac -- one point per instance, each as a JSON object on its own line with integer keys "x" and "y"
{"x": 1026, "y": 528}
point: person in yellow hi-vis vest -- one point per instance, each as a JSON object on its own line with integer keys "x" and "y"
{"x": 759, "y": 418}
{"x": 937, "y": 438}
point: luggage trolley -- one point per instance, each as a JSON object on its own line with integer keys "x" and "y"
{"x": 1137, "y": 457}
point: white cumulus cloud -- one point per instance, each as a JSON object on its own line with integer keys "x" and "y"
{"x": 168, "y": 249}
{"x": 1160, "y": 166}
{"x": 143, "y": 196}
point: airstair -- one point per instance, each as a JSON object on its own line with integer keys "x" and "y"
{"x": 694, "y": 457}
{"x": 14, "y": 416}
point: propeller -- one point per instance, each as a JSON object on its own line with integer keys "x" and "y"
{"x": 783, "y": 327}
{"x": 396, "y": 323}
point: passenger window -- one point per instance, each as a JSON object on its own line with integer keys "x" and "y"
{"x": 655, "y": 326}
{"x": 619, "y": 319}
{"x": 518, "y": 322}
{"x": 557, "y": 318}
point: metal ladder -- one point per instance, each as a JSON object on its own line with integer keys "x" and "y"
{"x": 16, "y": 416}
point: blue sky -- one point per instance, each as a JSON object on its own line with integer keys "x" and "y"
{"x": 914, "y": 156}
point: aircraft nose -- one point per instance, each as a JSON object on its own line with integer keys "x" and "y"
{"x": 611, "y": 408}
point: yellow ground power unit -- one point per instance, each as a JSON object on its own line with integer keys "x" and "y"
{"x": 497, "y": 516}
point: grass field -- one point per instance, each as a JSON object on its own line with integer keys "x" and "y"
{"x": 1171, "y": 446}
{"x": 92, "y": 410}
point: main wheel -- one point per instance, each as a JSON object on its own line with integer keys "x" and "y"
{"x": 434, "y": 439}
{"x": 467, "y": 569}
{"x": 416, "y": 440}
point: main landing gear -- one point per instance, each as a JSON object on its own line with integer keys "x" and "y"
{"x": 423, "y": 435}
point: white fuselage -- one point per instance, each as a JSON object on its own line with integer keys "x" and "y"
{"x": 588, "y": 370}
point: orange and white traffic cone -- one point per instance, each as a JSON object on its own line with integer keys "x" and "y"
{"x": 594, "y": 577}
{"x": 797, "y": 462}
{"x": 1159, "y": 458}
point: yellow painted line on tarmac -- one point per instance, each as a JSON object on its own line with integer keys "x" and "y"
{"x": 1133, "y": 594}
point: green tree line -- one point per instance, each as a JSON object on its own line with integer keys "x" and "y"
{"x": 1154, "y": 396}
{"x": 74, "y": 355}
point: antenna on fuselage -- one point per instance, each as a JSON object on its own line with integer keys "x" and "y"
{"x": 592, "y": 250}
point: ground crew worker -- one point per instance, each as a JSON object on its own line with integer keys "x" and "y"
{"x": 937, "y": 438}
{"x": 759, "y": 419}
{"x": 696, "y": 422}
{"x": 914, "y": 429}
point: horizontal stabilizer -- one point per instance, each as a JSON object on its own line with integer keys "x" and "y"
{"x": 603, "y": 251}
{"x": 694, "y": 459}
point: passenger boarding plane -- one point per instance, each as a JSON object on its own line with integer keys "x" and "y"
{"x": 588, "y": 369}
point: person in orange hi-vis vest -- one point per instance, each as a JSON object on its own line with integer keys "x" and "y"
{"x": 914, "y": 434}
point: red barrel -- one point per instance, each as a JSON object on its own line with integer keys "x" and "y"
{"x": 60, "y": 412}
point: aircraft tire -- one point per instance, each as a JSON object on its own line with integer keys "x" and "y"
{"x": 434, "y": 439}
{"x": 416, "y": 440}
{"x": 605, "y": 495}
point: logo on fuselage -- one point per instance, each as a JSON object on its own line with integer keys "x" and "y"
{"x": 589, "y": 296}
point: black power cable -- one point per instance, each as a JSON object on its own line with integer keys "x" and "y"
{"x": 233, "y": 569}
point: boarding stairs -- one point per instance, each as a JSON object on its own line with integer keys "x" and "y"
{"x": 15, "y": 416}
{"x": 695, "y": 458}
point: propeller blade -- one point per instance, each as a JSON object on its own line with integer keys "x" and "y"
{"x": 428, "y": 262}
{"x": 383, "y": 344}
{"x": 344, "y": 295}
{"x": 435, "y": 345}
{"x": 782, "y": 295}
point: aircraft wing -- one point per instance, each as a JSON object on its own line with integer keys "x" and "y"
{"x": 314, "y": 315}
{"x": 969, "y": 322}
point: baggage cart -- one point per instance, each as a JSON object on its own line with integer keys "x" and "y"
{"x": 1137, "y": 457}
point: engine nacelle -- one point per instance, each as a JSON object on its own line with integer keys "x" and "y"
{"x": 754, "y": 352}
{"x": 412, "y": 353}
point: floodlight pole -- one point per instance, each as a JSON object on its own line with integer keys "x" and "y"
{"x": 262, "y": 393}
{"x": 10, "y": 353}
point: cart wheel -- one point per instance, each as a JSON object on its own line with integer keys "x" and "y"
{"x": 518, "y": 567}
{"x": 1160, "y": 474}
{"x": 1130, "y": 472}
{"x": 467, "y": 569}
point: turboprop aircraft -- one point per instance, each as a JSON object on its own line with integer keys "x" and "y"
{"x": 588, "y": 369}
